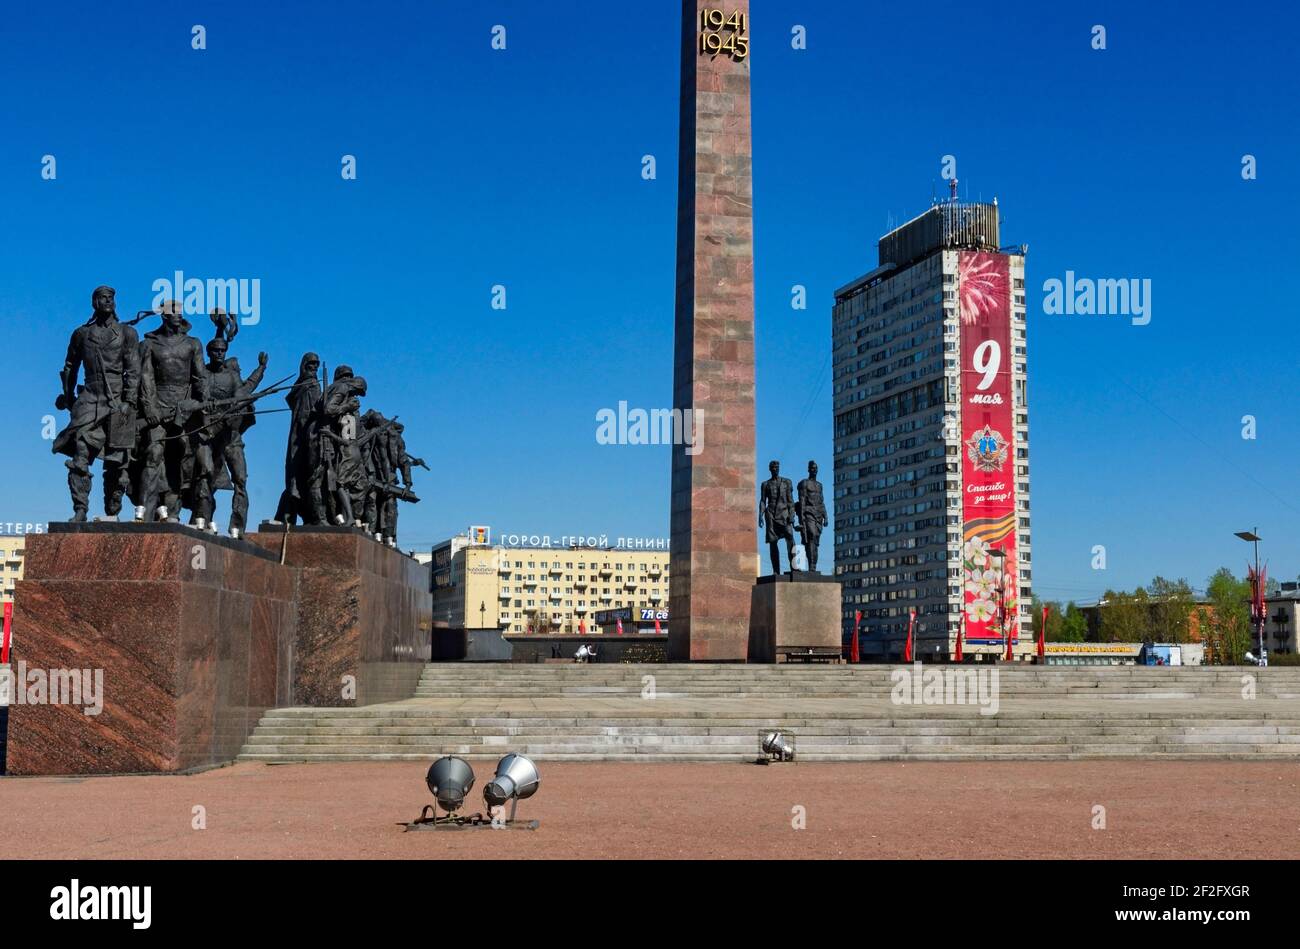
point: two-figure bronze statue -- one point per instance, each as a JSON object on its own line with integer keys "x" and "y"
{"x": 784, "y": 509}
{"x": 168, "y": 428}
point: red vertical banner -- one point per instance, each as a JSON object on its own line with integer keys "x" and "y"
{"x": 961, "y": 626}
{"x": 9, "y": 619}
{"x": 620, "y": 627}
{"x": 1042, "y": 635}
{"x": 855, "y": 655}
{"x": 991, "y": 583}
{"x": 907, "y": 649}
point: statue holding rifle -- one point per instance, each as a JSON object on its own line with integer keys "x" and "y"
{"x": 219, "y": 460}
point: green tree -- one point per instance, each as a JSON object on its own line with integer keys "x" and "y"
{"x": 1171, "y": 609}
{"x": 1066, "y": 624}
{"x": 1125, "y": 617}
{"x": 1227, "y": 624}
{"x": 1074, "y": 625}
{"x": 1053, "y": 618}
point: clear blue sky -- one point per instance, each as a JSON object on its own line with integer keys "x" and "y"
{"x": 522, "y": 167}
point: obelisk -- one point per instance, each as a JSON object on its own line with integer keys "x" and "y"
{"x": 714, "y": 547}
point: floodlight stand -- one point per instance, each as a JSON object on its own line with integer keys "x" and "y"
{"x": 450, "y": 821}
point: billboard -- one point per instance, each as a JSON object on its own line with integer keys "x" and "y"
{"x": 480, "y": 535}
{"x": 990, "y": 582}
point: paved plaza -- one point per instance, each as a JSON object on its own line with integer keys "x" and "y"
{"x": 1164, "y": 809}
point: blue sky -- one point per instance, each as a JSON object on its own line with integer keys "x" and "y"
{"x": 522, "y": 168}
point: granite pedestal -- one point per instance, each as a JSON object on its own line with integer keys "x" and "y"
{"x": 190, "y": 635}
{"x": 194, "y": 636}
{"x": 365, "y": 615}
{"x": 794, "y": 614}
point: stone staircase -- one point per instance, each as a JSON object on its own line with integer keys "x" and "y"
{"x": 452, "y": 680}
{"x": 834, "y": 713}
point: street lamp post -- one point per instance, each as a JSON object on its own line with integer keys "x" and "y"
{"x": 1252, "y": 537}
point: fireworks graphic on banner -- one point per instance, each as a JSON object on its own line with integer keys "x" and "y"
{"x": 981, "y": 287}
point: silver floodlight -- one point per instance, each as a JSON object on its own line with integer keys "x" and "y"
{"x": 516, "y": 778}
{"x": 449, "y": 780}
{"x": 777, "y": 747}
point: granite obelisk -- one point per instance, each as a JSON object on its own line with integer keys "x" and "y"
{"x": 714, "y": 553}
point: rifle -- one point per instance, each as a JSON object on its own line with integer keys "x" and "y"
{"x": 394, "y": 491}
{"x": 187, "y": 407}
{"x": 364, "y": 439}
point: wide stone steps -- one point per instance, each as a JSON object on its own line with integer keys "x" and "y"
{"x": 746, "y": 681}
{"x": 1289, "y": 733}
{"x": 835, "y": 713}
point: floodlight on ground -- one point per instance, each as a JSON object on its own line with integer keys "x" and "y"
{"x": 516, "y": 779}
{"x": 776, "y": 747}
{"x": 449, "y": 780}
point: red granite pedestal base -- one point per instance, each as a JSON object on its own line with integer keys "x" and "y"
{"x": 365, "y": 615}
{"x": 189, "y": 635}
{"x": 795, "y": 618}
{"x": 194, "y": 636}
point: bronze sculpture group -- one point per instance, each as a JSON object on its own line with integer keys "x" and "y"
{"x": 783, "y": 509}
{"x": 168, "y": 429}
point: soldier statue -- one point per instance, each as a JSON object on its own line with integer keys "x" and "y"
{"x": 219, "y": 439}
{"x": 383, "y": 465}
{"x": 342, "y": 464}
{"x": 102, "y": 422}
{"x": 776, "y": 508}
{"x": 402, "y": 460}
{"x": 302, "y": 483}
{"x": 171, "y": 375}
{"x": 811, "y": 508}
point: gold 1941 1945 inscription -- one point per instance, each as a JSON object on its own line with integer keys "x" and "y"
{"x": 721, "y": 34}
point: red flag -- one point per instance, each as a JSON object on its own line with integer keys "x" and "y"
{"x": 854, "y": 655}
{"x": 1006, "y": 623}
{"x": 961, "y": 625}
{"x": 620, "y": 626}
{"x": 9, "y": 618}
{"x": 582, "y": 627}
{"x": 907, "y": 650}
{"x": 1042, "y": 635}
{"x": 657, "y": 629}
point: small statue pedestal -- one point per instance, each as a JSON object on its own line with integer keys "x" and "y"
{"x": 795, "y": 616}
